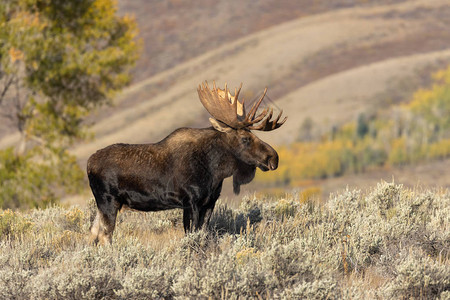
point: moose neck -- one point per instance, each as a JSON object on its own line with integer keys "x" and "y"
{"x": 220, "y": 156}
{"x": 223, "y": 160}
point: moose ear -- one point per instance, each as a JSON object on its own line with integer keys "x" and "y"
{"x": 219, "y": 126}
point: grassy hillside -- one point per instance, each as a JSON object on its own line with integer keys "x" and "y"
{"x": 328, "y": 61}
{"x": 302, "y": 54}
{"x": 389, "y": 242}
{"x": 325, "y": 60}
{"x": 175, "y": 31}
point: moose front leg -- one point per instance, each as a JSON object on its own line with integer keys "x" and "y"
{"x": 195, "y": 216}
{"x": 191, "y": 217}
{"x": 207, "y": 209}
{"x": 187, "y": 219}
{"x": 205, "y": 214}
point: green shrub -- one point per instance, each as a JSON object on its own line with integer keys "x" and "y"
{"x": 29, "y": 181}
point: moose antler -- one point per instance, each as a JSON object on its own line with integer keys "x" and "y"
{"x": 222, "y": 105}
{"x": 227, "y": 109}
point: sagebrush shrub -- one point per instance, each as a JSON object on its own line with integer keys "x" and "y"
{"x": 13, "y": 224}
{"x": 418, "y": 276}
{"x": 391, "y": 242}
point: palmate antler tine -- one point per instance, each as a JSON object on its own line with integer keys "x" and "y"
{"x": 219, "y": 105}
{"x": 233, "y": 102}
{"x": 269, "y": 116}
{"x": 263, "y": 124}
{"x": 260, "y": 116}
{"x": 268, "y": 125}
{"x": 278, "y": 119}
{"x": 229, "y": 110}
{"x": 236, "y": 93}
{"x": 240, "y": 105}
{"x": 275, "y": 124}
{"x": 267, "y": 119}
{"x": 251, "y": 115}
{"x": 226, "y": 93}
{"x": 278, "y": 124}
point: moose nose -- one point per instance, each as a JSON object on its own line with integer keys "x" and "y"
{"x": 273, "y": 162}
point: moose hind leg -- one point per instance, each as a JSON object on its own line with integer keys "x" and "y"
{"x": 104, "y": 223}
{"x": 95, "y": 229}
{"x": 107, "y": 225}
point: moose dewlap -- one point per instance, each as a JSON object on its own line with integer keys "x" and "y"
{"x": 187, "y": 168}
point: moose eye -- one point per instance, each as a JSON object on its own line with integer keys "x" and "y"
{"x": 246, "y": 140}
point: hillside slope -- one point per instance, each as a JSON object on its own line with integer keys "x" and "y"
{"x": 328, "y": 67}
{"x": 175, "y": 31}
{"x": 341, "y": 97}
{"x": 299, "y": 57}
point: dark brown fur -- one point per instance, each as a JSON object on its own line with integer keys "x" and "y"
{"x": 185, "y": 170}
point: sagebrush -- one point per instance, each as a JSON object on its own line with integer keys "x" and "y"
{"x": 388, "y": 243}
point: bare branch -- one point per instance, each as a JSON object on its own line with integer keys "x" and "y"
{"x": 8, "y": 82}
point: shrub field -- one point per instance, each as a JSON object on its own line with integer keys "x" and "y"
{"x": 386, "y": 243}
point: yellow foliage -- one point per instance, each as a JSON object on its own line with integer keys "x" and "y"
{"x": 26, "y": 19}
{"x": 420, "y": 99}
{"x": 271, "y": 193}
{"x": 15, "y": 54}
{"x": 74, "y": 217}
{"x": 313, "y": 160}
{"x": 309, "y": 194}
{"x": 12, "y": 224}
{"x": 320, "y": 160}
{"x": 65, "y": 239}
{"x": 443, "y": 76}
{"x": 243, "y": 256}
{"x": 284, "y": 208}
{"x": 398, "y": 153}
{"x": 439, "y": 149}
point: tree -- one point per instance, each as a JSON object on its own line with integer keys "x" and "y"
{"x": 306, "y": 130}
{"x": 433, "y": 104}
{"x": 59, "y": 60}
{"x": 362, "y": 127}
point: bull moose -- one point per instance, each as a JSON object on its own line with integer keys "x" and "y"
{"x": 187, "y": 168}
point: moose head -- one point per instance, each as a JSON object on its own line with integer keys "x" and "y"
{"x": 230, "y": 117}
